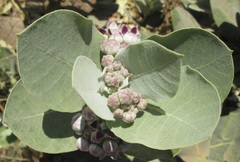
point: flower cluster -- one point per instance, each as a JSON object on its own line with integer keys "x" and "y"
{"x": 95, "y": 137}
{"x": 118, "y": 37}
{"x": 114, "y": 76}
{"x": 114, "y": 80}
{"x": 126, "y": 104}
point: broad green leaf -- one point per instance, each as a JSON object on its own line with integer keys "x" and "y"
{"x": 196, "y": 153}
{"x": 47, "y": 50}
{"x": 147, "y": 154}
{"x": 225, "y": 141}
{"x": 197, "y": 5}
{"x": 156, "y": 70}
{"x": 225, "y": 11}
{"x": 181, "y": 121}
{"x": 85, "y": 80}
{"x": 204, "y": 52}
{"x": 183, "y": 19}
{"x": 226, "y": 14}
{"x": 33, "y": 122}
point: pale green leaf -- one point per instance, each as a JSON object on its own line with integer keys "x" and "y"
{"x": 183, "y": 19}
{"x": 225, "y": 141}
{"x": 226, "y": 14}
{"x": 196, "y": 153}
{"x": 225, "y": 11}
{"x": 47, "y": 50}
{"x": 204, "y": 52}
{"x": 181, "y": 121}
{"x": 156, "y": 70}
{"x": 85, "y": 80}
{"x": 33, "y": 122}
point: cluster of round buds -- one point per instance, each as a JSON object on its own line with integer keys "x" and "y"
{"x": 118, "y": 37}
{"x": 95, "y": 137}
{"x": 126, "y": 104}
{"x": 114, "y": 75}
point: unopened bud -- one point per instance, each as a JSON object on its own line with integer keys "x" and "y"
{"x": 133, "y": 109}
{"x": 107, "y": 60}
{"x": 116, "y": 79}
{"x": 110, "y": 47}
{"x": 82, "y": 144}
{"x": 110, "y": 146}
{"x": 129, "y": 117}
{"x": 142, "y": 104}
{"x": 110, "y": 68}
{"x": 78, "y": 123}
{"x": 136, "y": 97}
{"x": 113, "y": 100}
{"x": 97, "y": 136}
{"x": 125, "y": 96}
{"x": 88, "y": 114}
{"x": 124, "y": 72}
{"x": 118, "y": 113}
{"x": 95, "y": 150}
{"x": 117, "y": 65}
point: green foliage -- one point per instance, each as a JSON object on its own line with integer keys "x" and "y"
{"x": 47, "y": 51}
{"x": 226, "y": 15}
{"x": 204, "y": 52}
{"x": 85, "y": 80}
{"x": 183, "y": 19}
{"x": 33, "y": 122}
{"x": 155, "y": 69}
{"x": 181, "y": 75}
{"x": 182, "y": 116}
{"x": 225, "y": 141}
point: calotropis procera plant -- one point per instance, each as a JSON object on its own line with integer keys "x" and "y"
{"x": 183, "y": 76}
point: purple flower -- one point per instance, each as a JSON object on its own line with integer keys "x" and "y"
{"x": 95, "y": 150}
{"x": 88, "y": 114}
{"x": 97, "y": 136}
{"x": 78, "y": 123}
{"x": 82, "y": 144}
{"x": 110, "y": 146}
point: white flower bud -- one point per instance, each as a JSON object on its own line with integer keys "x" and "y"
{"x": 110, "y": 47}
{"x": 82, "y": 144}
{"x": 125, "y": 96}
{"x": 78, "y": 123}
{"x": 142, "y": 105}
{"x": 136, "y": 97}
{"x": 117, "y": 65}
{"x": 118, "y": 113}
{"x": 113, "y": 100}
{"x": 129, "y": 117}
{"x": 107, "y": 60}
{"x": 124, "y": 72}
